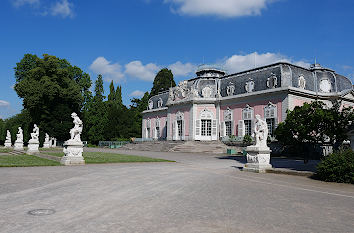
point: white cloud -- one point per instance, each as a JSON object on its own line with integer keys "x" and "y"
{"x": 62, "y": 8}
{"x": 4, "y": 103}
{"x": 18, "y": 3}
{"x": 107, "y": 69}
{"x": 144, "y": 72}
{"x": 237, "y": 63}
{"x": 137, "y": 93}
{"x": 221, "y": 8}
{"x": 180, "y": 69}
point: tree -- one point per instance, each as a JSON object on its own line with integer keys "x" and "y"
{"x": 51, "y": 89}
{"x": 313, "y": 123}
{"x": 162, "y": 82}
{"x": 96, "y": 118}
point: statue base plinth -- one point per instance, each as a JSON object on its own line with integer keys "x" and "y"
{"x": 46, "y": 145}
{"x": 258, "y": 159}
{"x": 8, "y": 144}
{"x": 33, "y": 146}
{"x": 18, "y": 146}
{"x": 73, "y": 153}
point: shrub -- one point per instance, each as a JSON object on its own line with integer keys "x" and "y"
{"x": 247, "y": 139}
{"x": 337, "y": 167}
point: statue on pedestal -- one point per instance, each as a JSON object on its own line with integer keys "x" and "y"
{"x": 33, "y": 143}
{"x": 35, "y": 134}
{"x": 258, "y": 155}
{"x": 19, "y": 139}
{"x": 260, "y": 132}
{"x": 75, "y": 133}
{"x": 8, "y": 139}
{"x": 74, "y": 147}
{"x": 46, "y": 141}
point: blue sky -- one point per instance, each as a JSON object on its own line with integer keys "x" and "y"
{"x": 129, "y": 41}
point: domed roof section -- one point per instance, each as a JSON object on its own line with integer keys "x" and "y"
{"x": 208, "y": 71}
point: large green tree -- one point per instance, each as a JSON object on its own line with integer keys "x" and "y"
{"x": 314, "y": 123}
{"x": 51, "y": 89}
{"x": 162, "y": 82}
{"x": 96, "y": 116}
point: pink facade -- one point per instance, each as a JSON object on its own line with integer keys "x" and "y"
{"x": 258, "y": 108}
{"x": 153, "y": 119}
{"x": 186, "y": 116}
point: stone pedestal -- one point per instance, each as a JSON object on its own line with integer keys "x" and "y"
{"x": 18, "y": 146}
{"x": 33, "y": 146}
{"x": 46, "y": 145}
{"x": 73, "y": 153}
{"x": 8, "y": 144}
{"x": 258, "y": 159}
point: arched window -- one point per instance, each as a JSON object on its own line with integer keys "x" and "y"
{"x": 157, "y": 128}
{"x": 270, "y": 114}
{"x": 206, "y": 126}
{"x": 228, "y": 122}
{"x": 178, "y": 127}
{"x": 247, "y": 117}
{"x": 159, "y": 103}
{"x": 148, "y": 128}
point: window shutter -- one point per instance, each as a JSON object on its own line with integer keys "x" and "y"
{"x": 241, "y": 128}
{"x": 173, "y": 130}
{"x": 222, "y": 129}
{"x": 197, "y": 127}
{"x": 213, "y": 130}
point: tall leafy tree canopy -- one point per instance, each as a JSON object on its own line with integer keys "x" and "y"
{"x": 51, "y": 89}
{"x": 162, "y": 82}
{"x": 315, "y": 123}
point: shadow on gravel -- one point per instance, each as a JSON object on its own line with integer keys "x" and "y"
{"x": 281, "y": 163}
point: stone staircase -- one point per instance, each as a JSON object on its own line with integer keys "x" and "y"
{"x": 151, "y": 146}
{"x": 212, "y": 147}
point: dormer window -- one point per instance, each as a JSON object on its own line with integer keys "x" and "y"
{"x": 230, "y": 89}
{"x": 159, "y": 103}
{"x": 272, "y": 81}
{"x": 151, "y": 104}
{"x": 249, "y": 87}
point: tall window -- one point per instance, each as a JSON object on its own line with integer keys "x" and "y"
{"x": 228, "y": 121}
{"x": 206, "y": 127}
{"x": 228, "y": 128}
{"x": 179, "y": 128}
{"x": 270, "y": 114}
{"x": 157, "y": 128}
{"x": 247, "y": 116}
{"x": 148, "y": 125}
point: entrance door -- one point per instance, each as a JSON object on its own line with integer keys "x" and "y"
{"x": 179, "y": 129}
{"x": 206, "y": 130}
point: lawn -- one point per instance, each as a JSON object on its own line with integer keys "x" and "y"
{"x": 5, "y": 150}
{"x": 25, "y": 161}
{"x": 100, "y": 157}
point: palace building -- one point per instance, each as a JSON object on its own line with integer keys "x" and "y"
{"x": 215, "y": 104}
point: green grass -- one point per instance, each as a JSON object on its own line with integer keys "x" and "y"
{"x": 100, "y": 157}
{"x": 5, "y": 150}
{"x": 25, "y": 161}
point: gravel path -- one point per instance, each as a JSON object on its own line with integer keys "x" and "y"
{"x": 198, "y": 193}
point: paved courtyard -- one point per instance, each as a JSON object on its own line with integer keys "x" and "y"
{"x": 198, "y": 193}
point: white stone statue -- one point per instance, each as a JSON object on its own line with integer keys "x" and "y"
{"x": 19, "y": 140}
{"x": 54, "y": 142}
{"x": 46, "y": 141}
{"x": 8, "y": 139}
{"x": 19, "y": 135}
{"x": 258, "y": 155}
{"x": 75, "y": 133}
{"x": 35, "y": 134}
{"x": 73, "y": 148}
{"x": 260, "y": 132}
{"x": 33, "y": 143}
